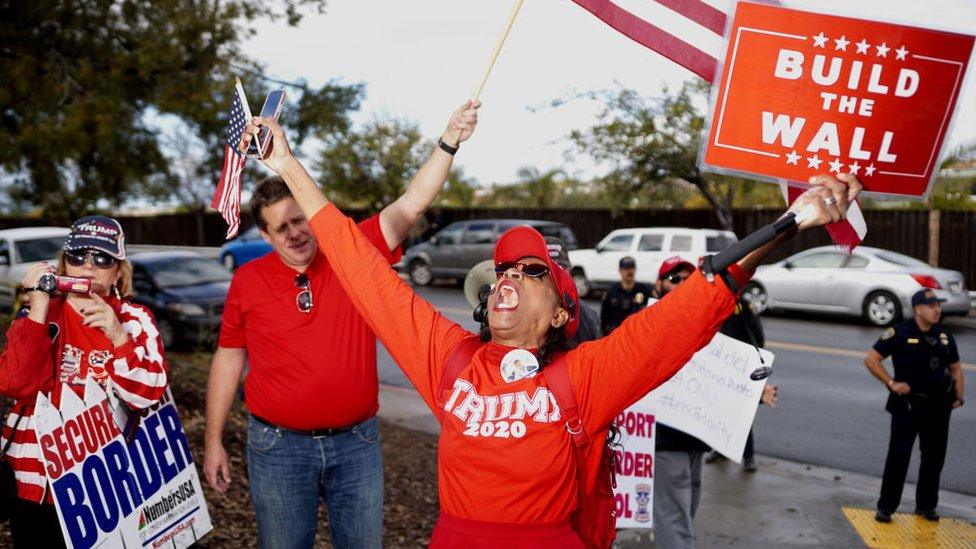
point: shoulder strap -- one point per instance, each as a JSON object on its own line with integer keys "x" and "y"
{"x": 557, "y": 377}
{"x": 459, "y": 357}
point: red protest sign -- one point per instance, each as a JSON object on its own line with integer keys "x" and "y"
{"x": 805, "y": 93}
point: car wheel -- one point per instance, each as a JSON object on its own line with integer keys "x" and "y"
{"x": 420, "y": 273}
{"x": 882, "y": 308}
{"x": 582, "y": 284}
{"x": 757, "y": 297}
{"x": 166, "y": 333}
{"x": 228, "y": 261}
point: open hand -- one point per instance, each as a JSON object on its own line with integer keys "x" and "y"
{"x": 826, "y": 201}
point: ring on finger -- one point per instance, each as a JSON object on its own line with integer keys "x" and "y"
{"x": 830, "y": 201}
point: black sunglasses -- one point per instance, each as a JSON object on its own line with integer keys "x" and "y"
{"x": 304, "y": 297}
{"x": 100, "y": 260}
{"x": 675, "y": 278}
{"x": 533, "y": 270}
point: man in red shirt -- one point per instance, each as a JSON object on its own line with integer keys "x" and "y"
{"x": 311, "y": 388}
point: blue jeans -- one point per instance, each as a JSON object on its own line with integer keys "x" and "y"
{"x": 289, "y": 472}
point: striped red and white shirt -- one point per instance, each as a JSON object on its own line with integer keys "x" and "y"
{"x": 42, "y": 357}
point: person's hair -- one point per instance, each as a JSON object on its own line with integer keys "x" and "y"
{"x": 270, "y": 190}
{"x": 124, "y": 285}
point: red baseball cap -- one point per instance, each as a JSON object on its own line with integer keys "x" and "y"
{"x": 672, "y": 264}
{"x": 524, "y": 241}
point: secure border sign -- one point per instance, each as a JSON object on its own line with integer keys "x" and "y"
{"x": 805, "y": 93}
{"x": 109, "y": 493}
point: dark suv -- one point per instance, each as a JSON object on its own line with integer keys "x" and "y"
{"x": 456, "y": 248}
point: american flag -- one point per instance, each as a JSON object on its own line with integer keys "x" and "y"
{"x": 227, "y": 199}
{"x": 694, "y": 39}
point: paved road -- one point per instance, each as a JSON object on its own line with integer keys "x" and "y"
{"x": 831, "y": 411}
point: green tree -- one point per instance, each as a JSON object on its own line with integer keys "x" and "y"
{"x": 650, "y": 144}
{"x": 371, "y": 167}
{"x": 459, "y": 191}
{"x": 83, "y": 80}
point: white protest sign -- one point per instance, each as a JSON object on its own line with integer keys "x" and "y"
{"x": 712, "y": 397}
{"x": 111, "y": 494}
{"x": 635, "y": 467}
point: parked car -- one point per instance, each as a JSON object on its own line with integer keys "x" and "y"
{"x": 19, "y": 248}
{"x": 456, "y": 248}
{"x": 185, "y": 291}
{"x": 247, "y": 246}
{"x": 598, "y": 268}
{"x": 872, "y": 283}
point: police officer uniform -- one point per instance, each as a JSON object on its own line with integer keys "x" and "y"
{"x": 921, "y": 359}
{"x": 619, "y": 303}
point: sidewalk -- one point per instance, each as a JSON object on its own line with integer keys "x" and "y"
{"x": 785, "y": 504}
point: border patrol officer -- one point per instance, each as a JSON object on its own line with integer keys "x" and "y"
{"x": 927, "y": 385}
{"x": 628, "y": 296}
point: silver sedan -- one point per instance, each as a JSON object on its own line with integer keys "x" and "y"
{"x": 872, "y": 283}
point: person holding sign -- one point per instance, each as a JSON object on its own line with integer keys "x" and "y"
{"x": 90, "y": 331}
{"x": 507, "y": 471}
{"x": 311, "y": 388}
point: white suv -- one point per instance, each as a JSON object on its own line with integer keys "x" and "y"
{"x": 19, "y": 248}
{"x": 597, "y": 269}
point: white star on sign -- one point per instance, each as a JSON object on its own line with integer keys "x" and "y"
{"x": 869, "y": 171}
{"x": 841, "y": 43}
{"x": 855, "y": 167}
{"x": 793, "y": 158}
{"x": 820, "y": 40}
{"x": 900, "y": 53}
{"x": 814, "y": 162}
{"x": 862, "y": 46}
{"x": 836, "y": 165}
{"x": 883, "y": 49}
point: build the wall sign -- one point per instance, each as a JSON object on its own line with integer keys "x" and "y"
{"x": 805, "y": 93}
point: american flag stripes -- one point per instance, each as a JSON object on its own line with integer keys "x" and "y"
{"x": 227, "y": 199}
{"x": 693, "y": 38}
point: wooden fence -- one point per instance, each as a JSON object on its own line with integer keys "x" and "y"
{"x": 945, "y": 235}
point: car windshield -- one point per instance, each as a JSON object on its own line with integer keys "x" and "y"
{"x": 187, "y": 271}
{"x": 899, "y": 259}
{"x": 39, "y": 249}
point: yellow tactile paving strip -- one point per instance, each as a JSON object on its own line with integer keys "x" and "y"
{"x": 908, "y": 530}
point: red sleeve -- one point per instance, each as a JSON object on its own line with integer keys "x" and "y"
{"x": 25, "y": 365}
{"x": 138, "y": 371}
{"x": 418, "y": 337}
{"x": 648, "y": 348}
{"x": 231, "y": 320}
{"x": 374, "y": 233}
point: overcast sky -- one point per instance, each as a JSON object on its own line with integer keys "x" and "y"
{"x": 421, "y": 59}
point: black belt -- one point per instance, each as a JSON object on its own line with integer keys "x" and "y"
{"x": 327, "y": 432}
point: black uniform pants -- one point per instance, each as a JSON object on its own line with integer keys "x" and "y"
{"x": 931, "y": 423}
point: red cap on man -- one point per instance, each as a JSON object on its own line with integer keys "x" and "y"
{"x": 524, "y": 241}
{"x": 673, "y": 264}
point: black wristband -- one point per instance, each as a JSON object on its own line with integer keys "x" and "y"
{"x": 447, "y": 148}
{"x": 29, "y": 289}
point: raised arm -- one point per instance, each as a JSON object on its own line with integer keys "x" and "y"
{"x": 418, "y": 337}
{"x": 400, "y": 216}
{"x": 653, "y": 344}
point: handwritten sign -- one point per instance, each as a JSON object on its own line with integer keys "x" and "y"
{"x": 805, "y": 93}
{"x": 635, "y": 467}
{"x": 111, "y": 494}
{"x": 712, "y": 397}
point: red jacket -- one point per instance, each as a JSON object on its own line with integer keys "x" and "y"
{"x": 31, "y": 363}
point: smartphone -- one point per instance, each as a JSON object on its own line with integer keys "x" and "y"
{"x": 271, "y": 109}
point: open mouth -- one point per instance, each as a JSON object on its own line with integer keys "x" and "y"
{"x": 508, "y": 296}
